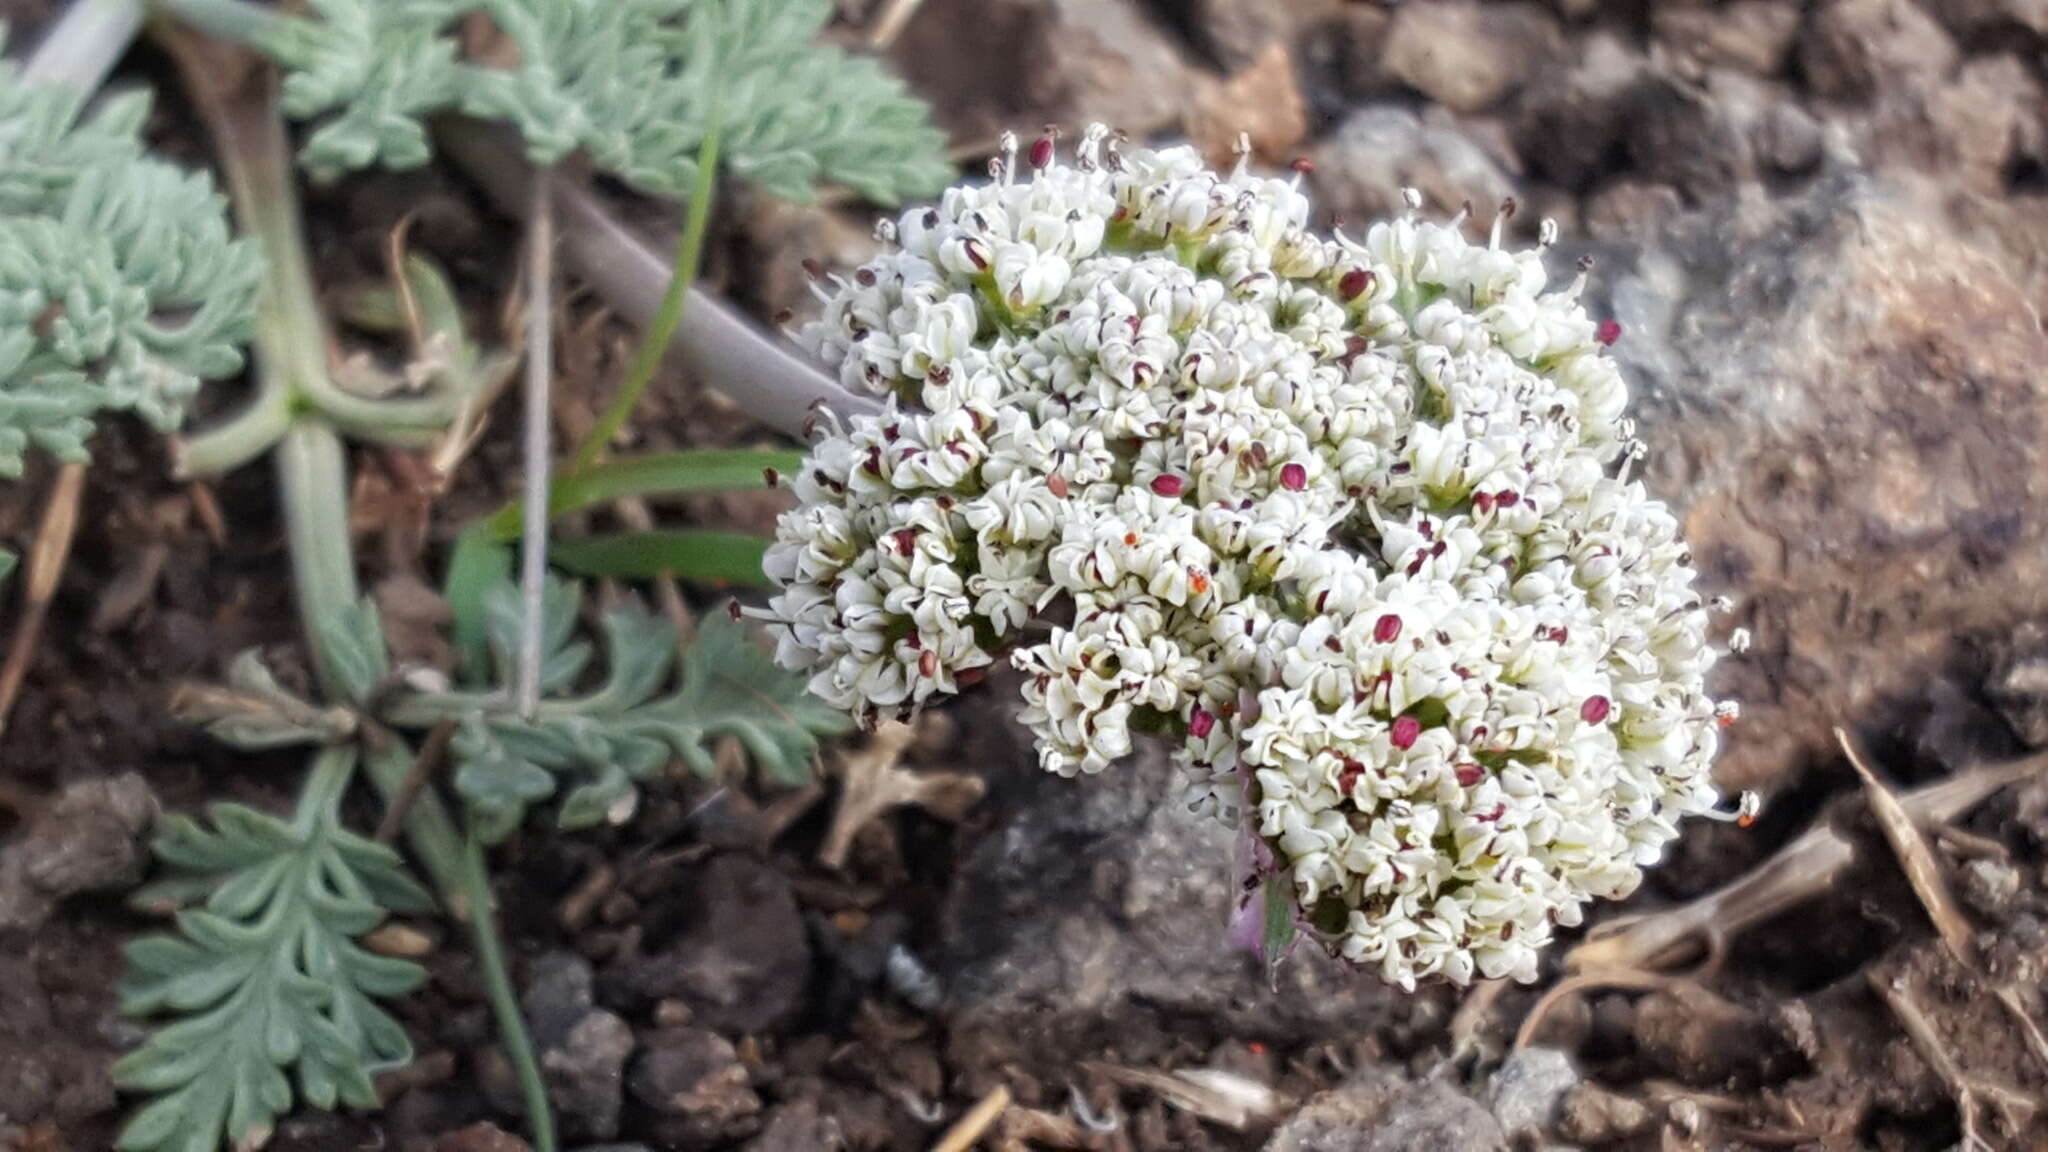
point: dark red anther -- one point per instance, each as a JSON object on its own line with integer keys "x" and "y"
{"x": 1041, "y": 152}
{"x": 1387, "y": 629}
{"x": 1057, "y": 485}
{"x": 1354, "y": 283}
{"x": 1167, "y": 485}
{"x": 928, "y": 663}
{"x": 906, "y": 540}
{"x": 784, "y": 316}
{"x": 1595, "y": 709}
{"x": 1293, "y": 477}
{"x": 1483, "y": 503}
{"x": 1610, "y": 331}
{"x": 1407, "y": 729}
{"x": 1304, "y": 165}
{"x": 1470, "y": 774}
{"x": 813, "y": 269}
{"x": 977, "y": 254}
{"x": 1348, "y": 778}
{"x": 1507, "y": 499}
{"x": 771, "y": 477}
{"x": 732, "y": 609}
{"x": 1201, "y": 722}
{"x": 865, "y": 278}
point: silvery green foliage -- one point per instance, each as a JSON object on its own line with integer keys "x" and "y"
{"x": 120, "y": 285}
{"x": 264, "y": 982}
{"x": 646, "y": 711}
{"x": 633, "y": 83}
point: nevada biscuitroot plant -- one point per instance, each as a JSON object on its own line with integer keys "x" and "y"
{"x": 122, "y": 285}
{"x": 1348, "y": 520}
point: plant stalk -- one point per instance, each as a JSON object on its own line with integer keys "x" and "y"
{"x": 81, "y": 49}
{"x": 291, "y": 341}
{"x": 504, "y": 1005}
{"x": 539, "y": 447}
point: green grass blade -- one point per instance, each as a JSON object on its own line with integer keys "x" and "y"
{"x": 710, "y": 557}
{"x": 654, "y": 345}
{"x": 664, "y": 473}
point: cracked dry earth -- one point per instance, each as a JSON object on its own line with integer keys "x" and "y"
{"x": 1823, "y": 227}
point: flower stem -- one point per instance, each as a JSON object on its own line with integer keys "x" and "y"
{"x": 539, "y": 451}
{"x": 504, "y": 1005}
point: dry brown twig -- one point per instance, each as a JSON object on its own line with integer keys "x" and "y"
{"x": 1803, "y": 869}
{"x": 2015, "y": 1108}
{"x": 871, "y": 783}
{"x": 1220, "y": 1097}
{"x": 1923, "y": 871}
{"x": 1916, "y": 857}
{"x": 45, "y": 568}
{"x": 971, "y": 1127}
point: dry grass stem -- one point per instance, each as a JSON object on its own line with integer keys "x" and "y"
{"x": 45, "y": 568}
{"x": 1803, "y": 869}
{"x": 1916, "y": 857}
{"x": 971, "y": 1127}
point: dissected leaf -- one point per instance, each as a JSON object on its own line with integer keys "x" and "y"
{"x": 264, "y": 981}
{"x": 634, "y": 84}
{"x": 647, "y": 712}
{"x": 121, "y": 286}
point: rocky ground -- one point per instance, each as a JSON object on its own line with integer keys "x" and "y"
{"x": 1824, "y": 229}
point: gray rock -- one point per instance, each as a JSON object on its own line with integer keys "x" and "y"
{"x": 1580, "y": 114}
{"x": 2019, "y": 689}
{"x": 1526, "y": 1090}
{"x": 1754, "y": 36}
{"x": 1628, "y": 211}
{"x": 1990, "y": 887}
{"x": 1232, "y": 32}
{"x": 1101, "y": 901}
{"x": 1594, "y": 1115}
{"x": 583, "y": 1048}
{"x": 1789, "y": 140}
{"x": 1679, "y": 135}
{"x": 586, "y": 1074}
{"x": 987, "y": 65}
{"x": 742, "y": 962}
{"x": 87, "y": 839}
{"x": 1363, "y": 166}
{"x": 559, "y": 993}
{"x": 798, "y": 1126}
{"x": 1852, "y": 49}
{"x": 1468, "y": 56}
{"x": 694, "y": 1080}
{"x": 1840, "y": 391}
{"x": 1377, "y": 1113}
{"x": 1968, "y": 18}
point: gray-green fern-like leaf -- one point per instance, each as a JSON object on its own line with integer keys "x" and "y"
{"x": 121, "y": 286}
{"x": 647, "y": 711}
{"x": 264, "y": 984}
{"x": 634, "y": 84}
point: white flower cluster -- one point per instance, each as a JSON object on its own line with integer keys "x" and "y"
{"x": 1352, "y": 519}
